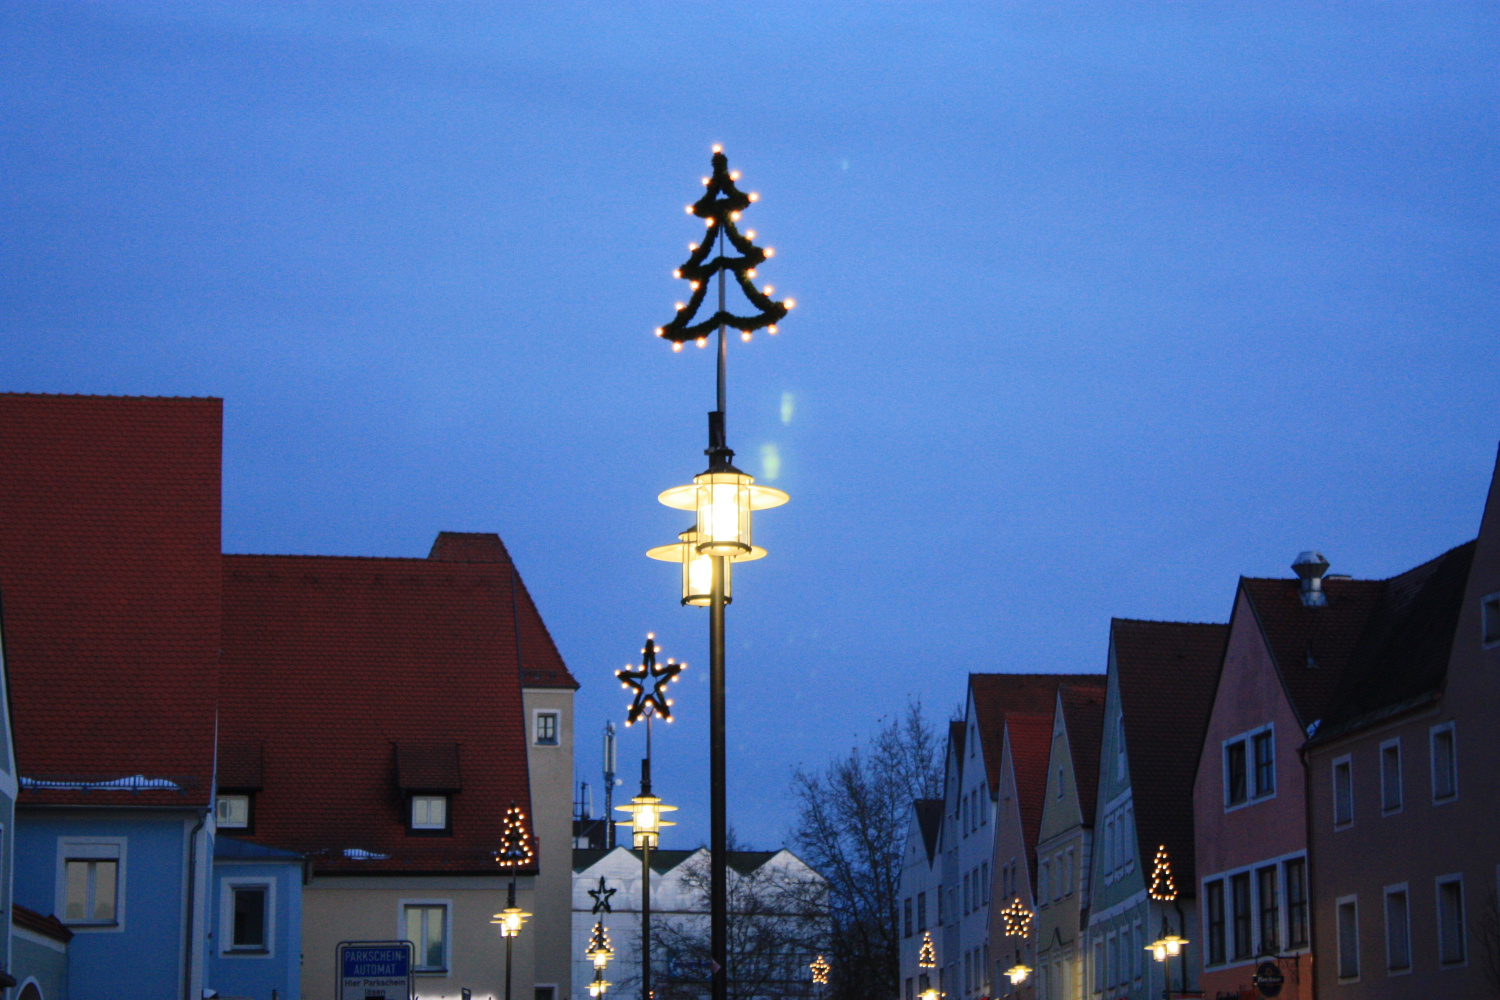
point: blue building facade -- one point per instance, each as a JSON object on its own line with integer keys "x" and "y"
{"x": 255, "y": 921}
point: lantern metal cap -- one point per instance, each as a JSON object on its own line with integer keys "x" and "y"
{"x": 674, "y": 552}
{"x": 686, "y": 497}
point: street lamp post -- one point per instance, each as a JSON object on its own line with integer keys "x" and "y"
{"x": 516, "y": 850}
{"x": 1164, "y": 949}
{"x": 722, "y": 496}
{"x": 649, "y": 680}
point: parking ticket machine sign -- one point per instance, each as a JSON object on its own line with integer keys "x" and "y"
{"x": 375, "y": 970}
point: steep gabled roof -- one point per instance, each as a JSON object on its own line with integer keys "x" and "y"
{"x": 1166, "y": 672}
{"x": 1083, "y": 712}
{"x": 1401, "y": 659}
{"x": 1030, "y": 694}
{"x": 356, "y": 675}
{"x": 1312, "y": 646}
{"x": 930, "y": 821}
{"x": 109, "y": 568}
{"x": 1030, "y": 737}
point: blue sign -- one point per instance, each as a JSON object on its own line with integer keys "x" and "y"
{"x": 374, "y": 970}
{"x": 381, "y": 963}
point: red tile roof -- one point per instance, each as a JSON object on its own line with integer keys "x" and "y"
{"x": 997, "y": 694}
{"x": 1083, "y": 712}
{"x": 1030, "y": 748}
{"x": 1167, "y": 672}
{"x": 110, "y": 571}
{"x": 353, "y": 672}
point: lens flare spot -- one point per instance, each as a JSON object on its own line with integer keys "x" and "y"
{"x": 770, "y": 462}
{"x": 788, "y": 407}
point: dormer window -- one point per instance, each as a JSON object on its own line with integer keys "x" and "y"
{"x": 429, "y": 812}
{"x": 232, "y": 811}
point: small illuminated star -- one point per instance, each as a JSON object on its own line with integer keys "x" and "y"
{"x": 601, "y": 897}
{"x": 649, "y": 683}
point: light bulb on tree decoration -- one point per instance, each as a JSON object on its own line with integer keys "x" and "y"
{"x": 649, "y": 681}
{"x": 720, "y": 209}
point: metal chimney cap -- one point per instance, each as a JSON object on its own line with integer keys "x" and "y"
{"x": 1310, "y": 565}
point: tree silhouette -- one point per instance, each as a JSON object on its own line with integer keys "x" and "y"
{"x": 720, "y": 209}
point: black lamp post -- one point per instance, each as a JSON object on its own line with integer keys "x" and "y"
{"x": 722, "y": 496}
{"x": 649, "y": 681}
{"x": 515, "y": 851}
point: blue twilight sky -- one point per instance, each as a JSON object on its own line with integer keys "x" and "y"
{"x": 1099, "y": 307}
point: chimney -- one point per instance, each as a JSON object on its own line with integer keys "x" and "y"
{"x": 1310, "y": 567}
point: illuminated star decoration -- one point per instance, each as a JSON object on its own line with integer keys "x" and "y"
{"x": 601, "y": 897}
{"x": 649, "y": 682}
{"x": 720, "y": 209}
{"x": 820, "y": 971}
{"x": 1163, "y": 888}
{"x": 516, "y": 848}
{"x": 1017, "y": 919}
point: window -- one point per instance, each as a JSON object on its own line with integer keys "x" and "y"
{"x": 232, "y": 812}
{"x": 921, "y": 911}
{"x": 1390, "y": 776}
{"x": 984, "y": 812}
{"x": 429, "y": 812}
{"x": 1343, "y": 793}
{"x": 1397, "y": 930}
{"x": 1444, "y": 764}
{"x": 909, "y": 994}
{"x": 1139, "y": 950}
{"x": 546, "y": 729}
{"x": 1120, "y": 748}
{"x": 1234, "y": 773}
{"x": 248, "y": 913}
{"x": 1239, "y": 898}
{"x": 963, "y": 813}
{"x": 1263, "y": 747}
{"x": 1112, "y": 958}
{"x": 544, "y": 993}
{"x": 1059, "y": 781}
{"x": 940, "y": 895}
{"x": 1068, "y": 872}
{"x": 426, "y": 927}
{"x": 1215, "y": 893}
{"x": 1270, "y": 910}
{"x": 984, "y": 881}
{"x": 90, "y": 885}
{"x": 1348, "y": 931}
{"x": 1490, "y": 613}
{"x": 1042, "y": 883}
{"x": 1098, "y": 966}
{"x": 1296, "y": 903}
{"x": 1450, "y": 917}
{"x": 906, "y": 911}
{"x": 966, "y": 893}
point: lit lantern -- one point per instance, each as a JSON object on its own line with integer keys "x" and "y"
{"x": 929, "y": 994}
{"x": 723, "y": 499}
{"x": 510, "y": 920}
{"x": 1017, "y": 973}
{"x": 645, "y": 819}
{"x": 598, "y": 987}
{"x": 698, "y": 569}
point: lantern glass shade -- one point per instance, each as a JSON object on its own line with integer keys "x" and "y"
{"x": 645, "y": 819}
{"x": 1174, "y": 944}
{"x": 1018, "y": 973}
{"x": 723, "y": 502}
{"x": 698, "y": 569}
{"x": 510, "y": 920}
{"x": 598, "y": 987}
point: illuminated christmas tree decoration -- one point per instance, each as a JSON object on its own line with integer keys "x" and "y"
{"x": 649, "y": 681}
{"x": 927, "y": 957}
{"x": 820, "y": 971}
{"x": 517, "y": 849}
{"x": 599, "y": 952}
{"x": 1162, "y": 887}
{"x": 1016, "y": 918}
{"x": 720, "y": 209}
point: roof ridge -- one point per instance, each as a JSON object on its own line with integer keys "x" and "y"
{"x": 91, "y": 395}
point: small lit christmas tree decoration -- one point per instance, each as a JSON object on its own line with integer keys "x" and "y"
{"x": 927, "y": 957}
{"x": 820, "y": 971}
{"x": 1016, "y": 918}
{"x": 599, "y": 952}
{"x": 1162, "y": 887}
{"x": 601, "y": 897}
{"x": 517, "y": 850}
{"x": 720, "y": 209}
{"x": 649, "y": 681}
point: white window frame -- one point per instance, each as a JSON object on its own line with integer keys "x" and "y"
{"x": 221, "y": 824}
{"x": 227, "y": 885}
{"x": 1248, "y": 739}
{"x": 447, "y": 905}
{"x": 447, "y": 822}
{"x": 1338, "y": 931}
{"x": 1346, "y": 762}
{"x": 1386, "y": 809}
{"x": 1455, "y": 878}
{"x": 92, "y": 849}
{"x": 536, "y": 721}
{"x": 1390, "y": 891}
{"x": 1283, "y": 910}
{"x": 1120, "y": 747}
{"x": 1489, "y": 620}
{"x": 1432, "y": 736}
